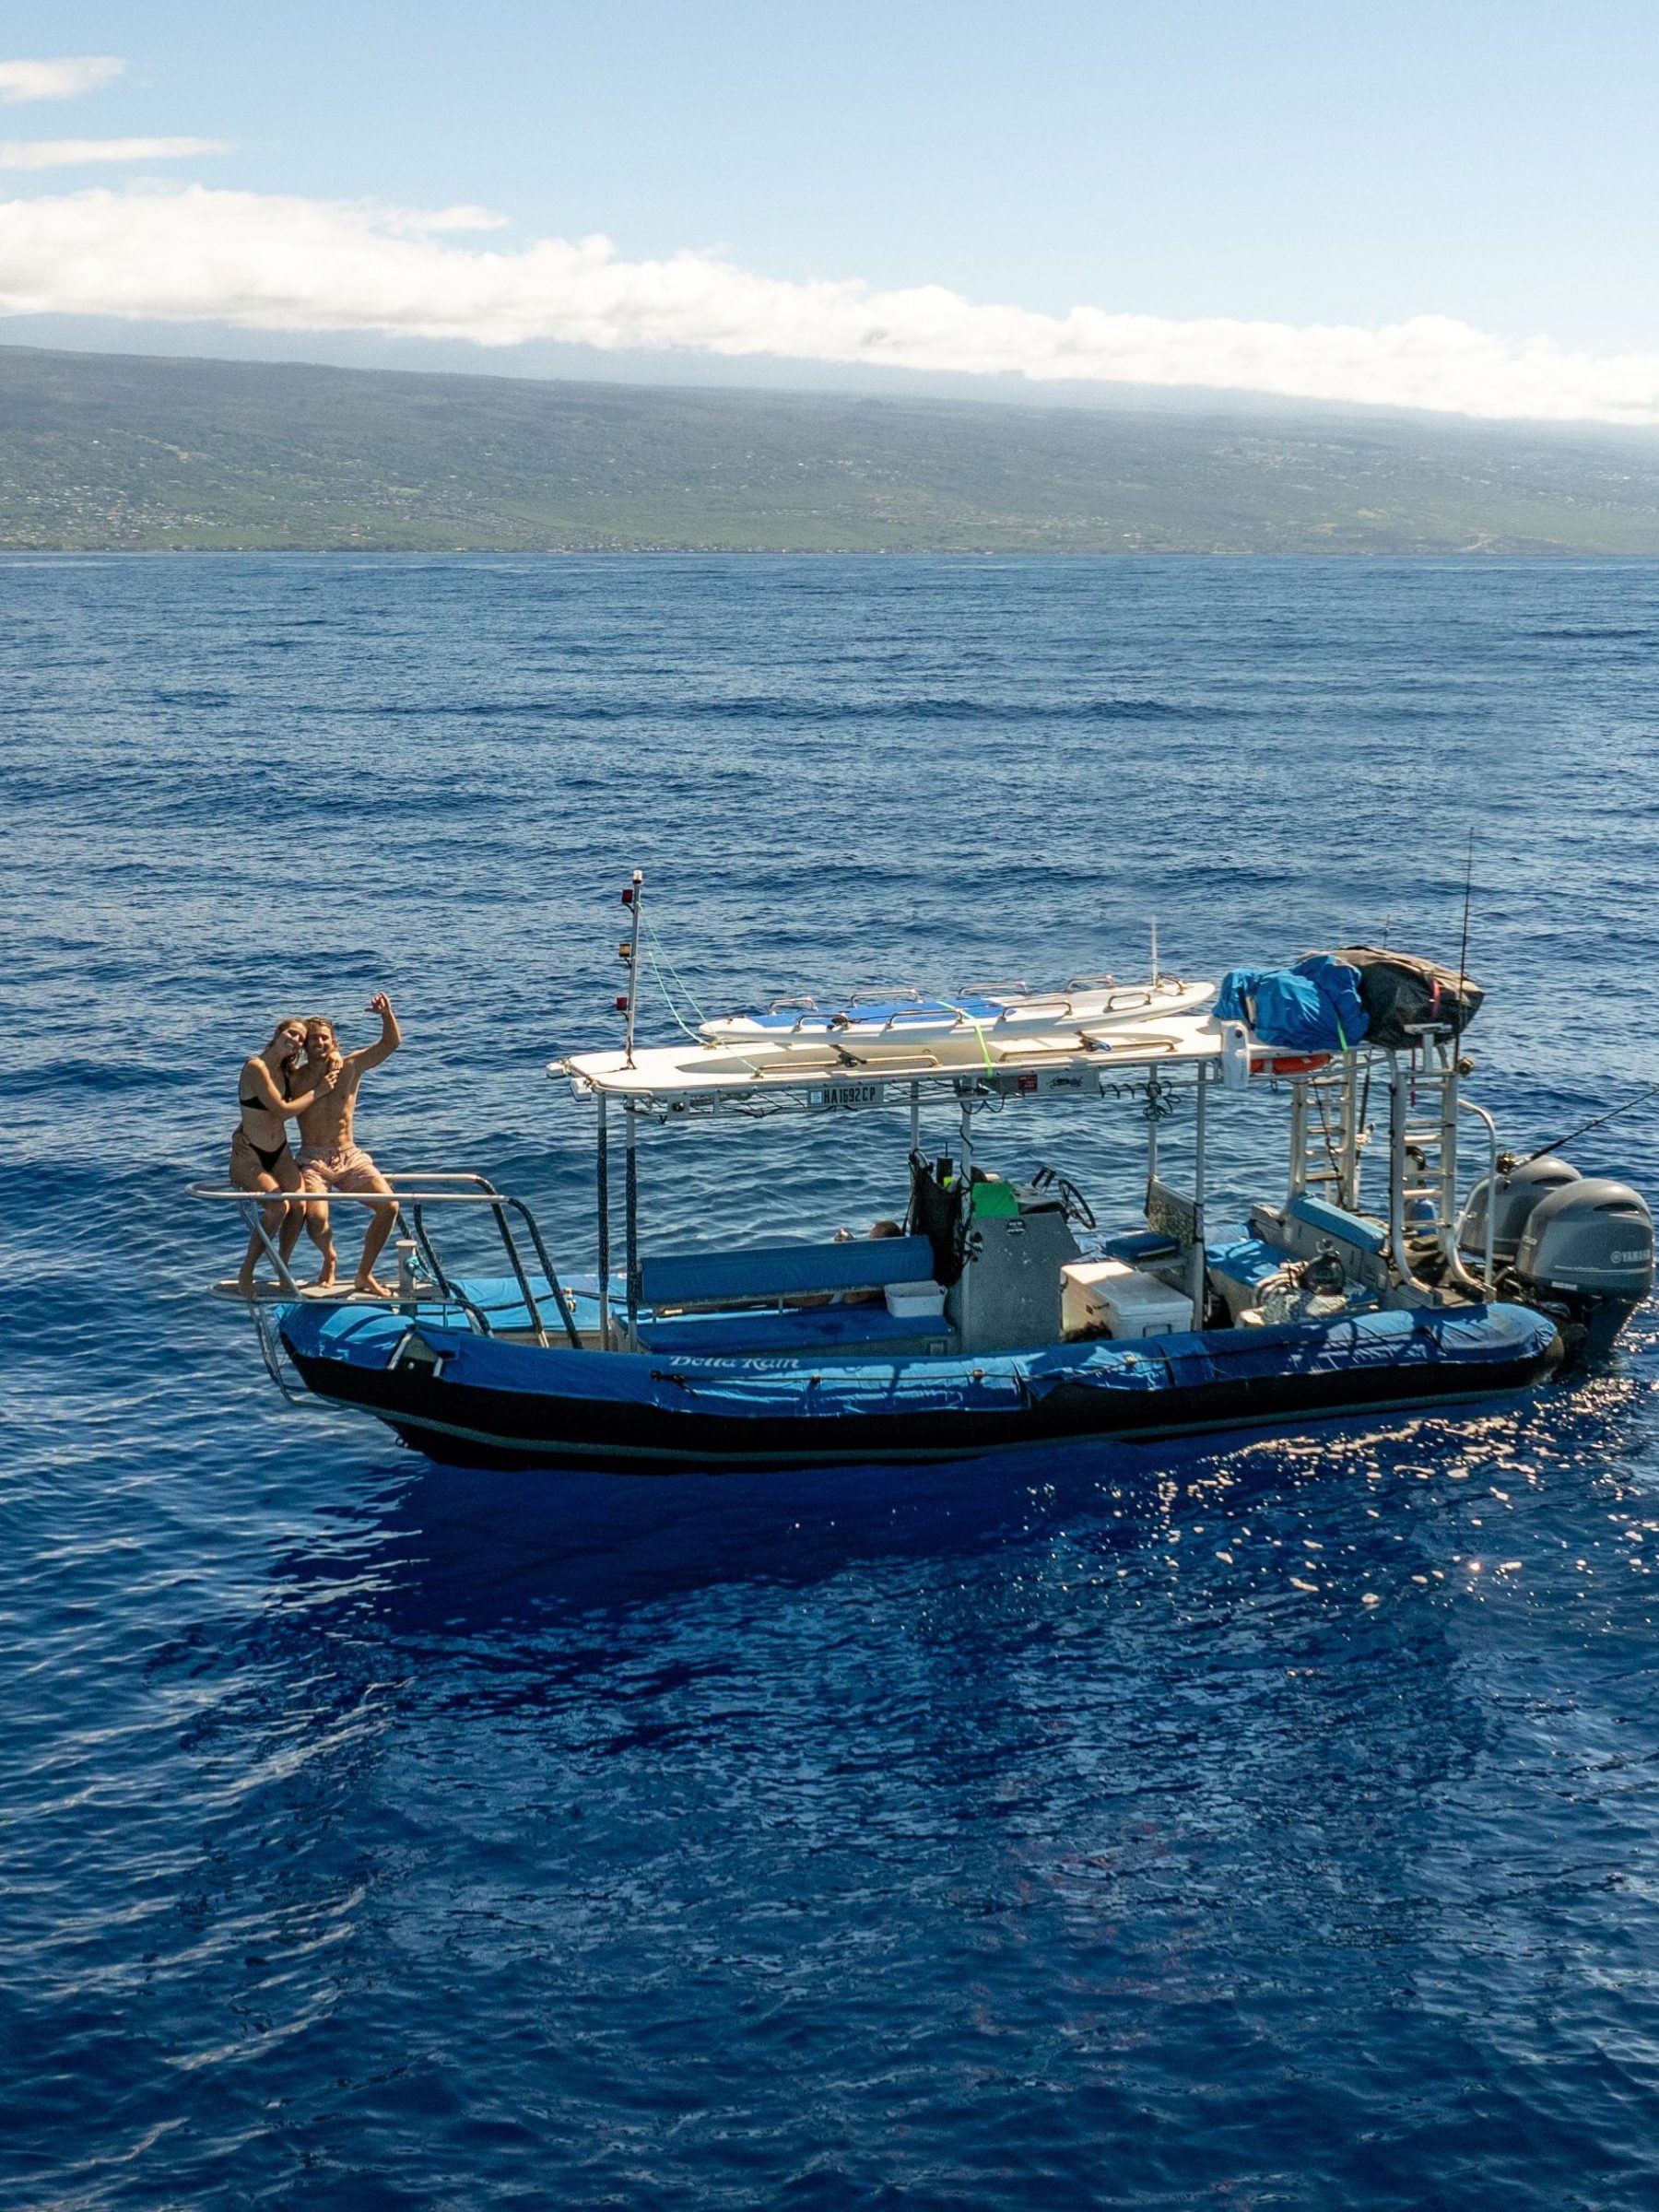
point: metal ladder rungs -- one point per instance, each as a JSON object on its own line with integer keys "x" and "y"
{"x": 1329, "y": 1148}
{"x": 1426, "y": 1149}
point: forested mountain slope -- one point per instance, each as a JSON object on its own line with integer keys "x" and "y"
{"x": 131, "y": 452}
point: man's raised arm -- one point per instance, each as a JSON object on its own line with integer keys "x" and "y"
{"x": 390, "y": 1036}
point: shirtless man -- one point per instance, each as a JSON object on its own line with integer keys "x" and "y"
{"x": 330, "y": 1158}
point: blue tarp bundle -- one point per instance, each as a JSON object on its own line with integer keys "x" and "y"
{"x": 1312, "y": 1008}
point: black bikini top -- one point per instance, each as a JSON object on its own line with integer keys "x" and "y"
{"x": 258, "y": 1105}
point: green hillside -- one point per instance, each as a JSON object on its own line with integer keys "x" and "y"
{"x": 101, "y": 451}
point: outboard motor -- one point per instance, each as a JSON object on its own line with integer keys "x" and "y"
{"x": 1587, "y": 1247}
{"x": 1521, "y": 1189}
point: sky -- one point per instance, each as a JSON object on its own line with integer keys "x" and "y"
{"x": 1452, "y": 206}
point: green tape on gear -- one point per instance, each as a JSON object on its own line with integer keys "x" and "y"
{"x": 994, "y": 1200}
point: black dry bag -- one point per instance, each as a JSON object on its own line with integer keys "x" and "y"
{"x": 1401, "y": 992}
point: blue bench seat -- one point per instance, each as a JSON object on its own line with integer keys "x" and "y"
{"x": 780, "y": 1271}
{"x": 807, "y": 1330}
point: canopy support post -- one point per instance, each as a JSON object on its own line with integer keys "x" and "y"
{"x": 916, "y": 1105}
{"x": 631, "y": 1230}
{"x": 1399, "y": 1118}
{"x": 602, "y": 1198}
{"x": 1197, "y": 1273}
{"x": 1298, "y": 1137}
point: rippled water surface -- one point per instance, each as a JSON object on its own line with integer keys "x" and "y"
{"x": 1263, "y": 1823}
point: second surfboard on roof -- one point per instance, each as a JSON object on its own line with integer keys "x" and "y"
{"x": 999, "y": 1009}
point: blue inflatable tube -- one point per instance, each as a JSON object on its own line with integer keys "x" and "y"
{"x": 468, "y": 1398}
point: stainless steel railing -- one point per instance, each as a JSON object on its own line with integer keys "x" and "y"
{"x": 412, "y": 1195}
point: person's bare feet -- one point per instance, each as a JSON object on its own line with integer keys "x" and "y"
{"x": 367, "y": 1288}
{"x": 325, "y": 1281}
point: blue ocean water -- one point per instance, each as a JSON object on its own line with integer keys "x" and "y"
{"x": 1062, "y": 1832}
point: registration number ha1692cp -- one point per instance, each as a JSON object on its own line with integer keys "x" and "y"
{"x": 845, "y": 1097}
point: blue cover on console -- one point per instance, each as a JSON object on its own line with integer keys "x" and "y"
{"x": 1312, "y": 1008}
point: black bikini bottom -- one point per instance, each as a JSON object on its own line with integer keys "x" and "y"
{"x": 267, "y": 1161}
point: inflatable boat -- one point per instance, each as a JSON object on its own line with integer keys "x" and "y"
{"x": 505, "y": 1398}
{"x": 984, "y": 1312}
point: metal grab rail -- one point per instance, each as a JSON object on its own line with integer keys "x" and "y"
{"x": 414, "y": 1190}
{"x": 1459, "y": 1274}
{"x": 483, "y": 1192}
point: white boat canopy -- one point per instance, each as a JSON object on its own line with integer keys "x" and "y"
{"x": 815, "y": 1073}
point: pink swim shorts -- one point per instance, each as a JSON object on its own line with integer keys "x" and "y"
{"x": 349, "y": 1169}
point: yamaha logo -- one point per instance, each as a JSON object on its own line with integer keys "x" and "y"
{"x": 1639, "y": 1258}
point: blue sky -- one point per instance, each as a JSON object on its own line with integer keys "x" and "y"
{"x": 1495, "y": 167}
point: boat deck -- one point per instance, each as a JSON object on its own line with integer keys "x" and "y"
{"x": 809, "y": 1328}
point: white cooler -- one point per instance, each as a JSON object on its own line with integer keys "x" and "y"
{"x": 1109, "y": 1294}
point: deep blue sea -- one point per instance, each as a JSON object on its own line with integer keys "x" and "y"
{"x": 1066, "y": 1831}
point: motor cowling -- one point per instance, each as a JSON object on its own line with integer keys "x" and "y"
{"x": 1521, "y": 1190}
{"x": 1589, "y": 1245}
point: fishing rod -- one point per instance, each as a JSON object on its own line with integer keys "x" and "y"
{"x": 1573, "y": 1135}
{"x": 1463, "y": 949}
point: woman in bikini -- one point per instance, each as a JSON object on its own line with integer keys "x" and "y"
{"x": 260, "y": 1159}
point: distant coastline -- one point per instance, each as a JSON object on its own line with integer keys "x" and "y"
{"x": 112, "y": 453}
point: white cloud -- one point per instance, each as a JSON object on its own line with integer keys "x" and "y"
{"x": 416, "y": 221}
{"x": 277, "y": 262}
{"x": 73, "y": 153}
{"x": 56, "y": 81}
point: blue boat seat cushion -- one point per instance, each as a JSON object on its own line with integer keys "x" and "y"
{"x": 1336, "y": 1221}
{"x": 1244, "y": 1264}
{"x": 727, "y": 1279}
{"x": 1135, "y": 1246}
